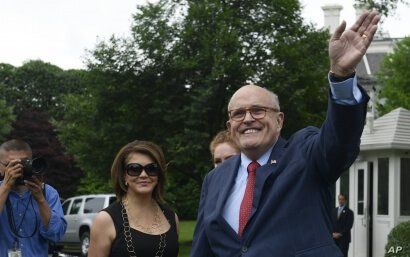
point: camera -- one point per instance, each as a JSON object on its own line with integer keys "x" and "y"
{"x": 31, "y": 167}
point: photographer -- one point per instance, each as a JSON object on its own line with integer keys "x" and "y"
{"x": 30, "y": 211}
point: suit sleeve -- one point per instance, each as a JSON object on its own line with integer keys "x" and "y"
{"x": 337, "y": 143}
{"x": 334, "y": 219}
{"x": 200, "y": 244}
{"x": 349, "y": 223}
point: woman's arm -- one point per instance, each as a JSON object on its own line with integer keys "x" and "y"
{"x": 102, "y": 235}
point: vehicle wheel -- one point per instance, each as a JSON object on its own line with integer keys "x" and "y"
{"x": 85, "y": 243}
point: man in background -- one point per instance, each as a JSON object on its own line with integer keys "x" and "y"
{"x": 343, "y": 223}
{"x": 30, "y": 211}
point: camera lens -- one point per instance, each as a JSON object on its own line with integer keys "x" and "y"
{"x": 33, "y": 167}
{"x": 38, "y": 165}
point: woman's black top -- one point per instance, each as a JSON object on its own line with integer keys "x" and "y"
{"x": 145, "y": 245}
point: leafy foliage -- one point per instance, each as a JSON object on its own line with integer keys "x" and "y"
{"x": 182, "y": 194}
{"x": 38, "y": 85}
{"x": 394, "y": 77}
{"x": 6, "y": 119}
{"x": 170, "y": 82}
{"x": 33, "y": 127}
{"x": 384, "y": 7}
{"x": 33, "y": 93}
{"x": 399, "y": 236}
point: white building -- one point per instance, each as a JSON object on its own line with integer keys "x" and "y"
{"x": 378, "y": 183}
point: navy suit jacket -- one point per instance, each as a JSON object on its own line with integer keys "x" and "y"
{"x": 343, "y": 225}
{"x": 293, "y": 203}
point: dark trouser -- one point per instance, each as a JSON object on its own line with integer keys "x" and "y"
{"x": 343, "y": 246}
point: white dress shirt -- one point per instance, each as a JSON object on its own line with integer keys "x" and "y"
{"x": 233, "y": 203}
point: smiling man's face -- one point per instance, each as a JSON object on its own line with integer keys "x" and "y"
{"x": 255, "y": 136}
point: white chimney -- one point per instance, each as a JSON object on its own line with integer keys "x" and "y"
{"x": 332, "y": 16}
{"x": 370, "y": 122}
{"x": 371, "y": 111}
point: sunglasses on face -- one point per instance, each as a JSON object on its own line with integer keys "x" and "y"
{"x": 135, "y": 169}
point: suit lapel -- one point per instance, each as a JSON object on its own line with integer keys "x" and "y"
{"x": 342, "y": 213}
{"x": 228, "y": 175}
{"x": 267, "y": 170}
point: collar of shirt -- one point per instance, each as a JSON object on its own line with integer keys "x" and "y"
{"x": 20, "y": 194}
{"x": 233, "y": 203}
{"x": 245, "y": 161}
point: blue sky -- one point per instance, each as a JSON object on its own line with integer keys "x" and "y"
{"x": 60, "y": 31}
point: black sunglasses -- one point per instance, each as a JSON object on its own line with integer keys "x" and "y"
{"x": 135, "y": 169}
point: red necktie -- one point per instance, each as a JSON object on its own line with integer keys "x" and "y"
{"x": 246, "y": 204}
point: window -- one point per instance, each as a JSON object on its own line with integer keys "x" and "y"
{"x": 65, "y": 207}
{"x": 344, "y": 184}
{"x": 94, "y": 204}
{"x": 112, "y": 199}
{"x": 383, "y": 186}
{"x": 360, "y": 192}
{"x": 404, "y": 187}
{"x": 76, "y": 206}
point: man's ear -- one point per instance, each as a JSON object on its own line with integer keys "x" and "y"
{"x": 279, "y": 119}
{"x": 228, "y": 125}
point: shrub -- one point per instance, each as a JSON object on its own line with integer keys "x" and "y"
{"x": 398, "y": 241}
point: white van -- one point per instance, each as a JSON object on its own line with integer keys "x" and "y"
{"x": 79, "y": 211}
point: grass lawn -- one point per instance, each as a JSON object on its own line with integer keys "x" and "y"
{"x": 186, "y": 231}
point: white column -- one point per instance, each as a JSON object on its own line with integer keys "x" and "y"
{"x": 332, "y": 16}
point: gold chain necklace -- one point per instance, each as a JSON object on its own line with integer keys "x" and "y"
{"x": 127, "y": 233}
{"x": 156, "y": 224}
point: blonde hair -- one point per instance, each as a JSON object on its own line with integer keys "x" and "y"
{"x": 220, "y": 138}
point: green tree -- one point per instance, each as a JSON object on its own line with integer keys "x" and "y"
{"x": 7, "y": 115}
{"x": 394, "y": 77}
{"x": 95, "y": 126}
{"x": 36, "y": 89}
{"x": 40, "y": 85}
{"x": 225, "y": 45}
{"x": 34, "y": 127}
{"x": 6, "y": 119}
{"x": 132, "y": 93}
{"x": 384, "y": 7}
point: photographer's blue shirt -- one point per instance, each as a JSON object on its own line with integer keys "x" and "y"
{"x": 33, "y": 237}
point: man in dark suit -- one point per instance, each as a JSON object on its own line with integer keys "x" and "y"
{"x": 343, "y": 223}
{"x": 275, "y": 198}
